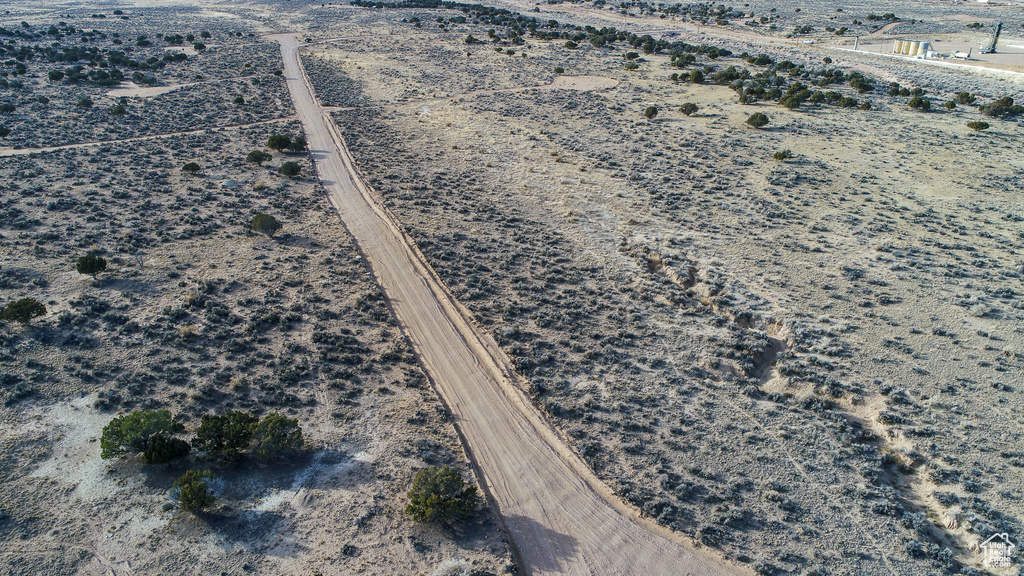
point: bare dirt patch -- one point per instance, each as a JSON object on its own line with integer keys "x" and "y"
{"x": 583, "y": 83}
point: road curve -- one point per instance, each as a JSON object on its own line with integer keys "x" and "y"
{"x": 561, "y": 518}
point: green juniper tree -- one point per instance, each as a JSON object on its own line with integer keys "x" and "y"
{"x": 439, "y": 494}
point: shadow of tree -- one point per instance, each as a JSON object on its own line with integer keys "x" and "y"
{"x": 543, "y": 549}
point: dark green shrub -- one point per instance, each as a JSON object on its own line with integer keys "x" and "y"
{"x": 265, "y": 224}
{"x": 290, "y": 169}
{"x": 91, "y": 264}
{"x": 782, "y": 155}
{"x": 118, "y": 110}
{"x": 132, "y": 432}
{"x": 1002, "y": 108}
{"x": 689, "y": 108}
{"x": 278, "y": 142}
{"x": 651, "y": 112}
{"x": 275, "y": 437}
{"x": 298, "y": 145}
{"x": 696, "y": 76}
{"x": 193, "y": 491}
{"x": 439, "y": 494}
{"x": 978, "y": 125}
{"x": 23, "y": 311}
{"x": 225, "y": 436}
{"x": 192, "y": 168}
{"x": 258, "y": 157}
{"x": 965, "y": 98}
{"x": 239, "y": 100}
{"x": 162, "y": 449}
{"x": 758, "y": 120}
{"x": 559, "y": 70}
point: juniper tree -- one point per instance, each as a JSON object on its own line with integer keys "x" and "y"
{"x": 132, "y": 432}
{"x": 758, "y": 120}
{"x": 23, "y": 311}
{"x": 193, "y": 491}
{"x": 91, "y": 264}
{"x": 265, "y": 224}
{"x": 439, "y": 494}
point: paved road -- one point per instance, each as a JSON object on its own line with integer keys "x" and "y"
{"x": 561, "y": 518}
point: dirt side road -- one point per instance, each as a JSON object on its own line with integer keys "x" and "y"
{"x": 561, "y": 518}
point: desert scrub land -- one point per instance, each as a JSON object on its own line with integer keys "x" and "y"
{"x": 807, "y": 362}
{"x": 197, "y": 314}
{"x": 66, "y": 81}
{"x": 821, "y": 22}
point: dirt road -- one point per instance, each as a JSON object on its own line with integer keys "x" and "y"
{"x": 561, "y": 518}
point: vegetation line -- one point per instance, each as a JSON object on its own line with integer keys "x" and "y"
{"x": 26, "y": 151}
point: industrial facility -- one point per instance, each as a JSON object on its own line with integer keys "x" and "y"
{"x": 923, "y": 48}
{"x": 914, "y": 49}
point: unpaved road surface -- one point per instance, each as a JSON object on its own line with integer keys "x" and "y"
{"x": 562, "y": 519}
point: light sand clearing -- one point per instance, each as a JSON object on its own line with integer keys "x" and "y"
{"x": 186, "y": 49}
{"x": 206, "y": 12}
{"x": 75, "y": 459}
{"x": 582, "y": 83}
{"x": 131, "y": 89}
{"x": 562, "y": 519}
